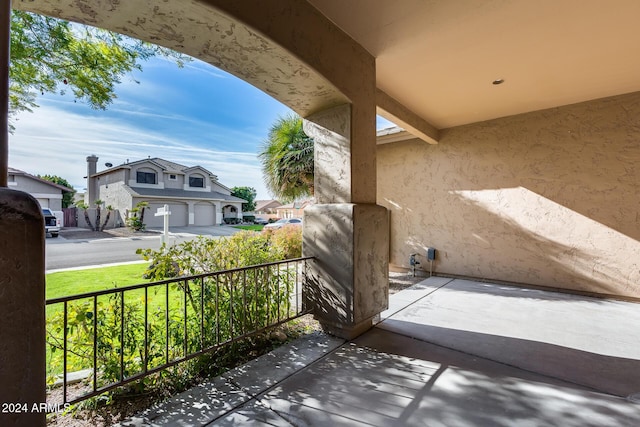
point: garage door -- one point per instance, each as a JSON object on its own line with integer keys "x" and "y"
{"x": 44, "y": 203}
{"x": 204, "y": 214}
{"x": 179, "y": 215}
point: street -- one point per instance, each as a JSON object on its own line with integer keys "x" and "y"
{"x": 62, "y": 253}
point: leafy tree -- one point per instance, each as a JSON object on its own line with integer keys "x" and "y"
{"x": 52, "y": 55}
{"x": 287, "y": 160}
{"x": 248, "y": 194}
{"x": 67, "y": 197}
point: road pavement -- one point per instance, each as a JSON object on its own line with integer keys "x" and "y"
{"x": 63, "y": 253}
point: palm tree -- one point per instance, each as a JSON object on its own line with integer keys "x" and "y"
{"x": 287, "y": 160}
{"x": 82, "y": 205}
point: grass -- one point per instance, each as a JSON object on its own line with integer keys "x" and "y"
{"x": 66, "y": 283}
{"x": 255, "y": 227}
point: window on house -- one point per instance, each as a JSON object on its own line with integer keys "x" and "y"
{"x": 172, "y": 177}
{"x": 145, "y": 177}
{"x": 195, "y": 181}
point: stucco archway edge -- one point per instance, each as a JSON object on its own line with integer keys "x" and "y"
{"x": 207, "y": 30}
{"x": 284, "y": 47}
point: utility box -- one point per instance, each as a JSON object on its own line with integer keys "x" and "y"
{"x": 431, "y": 254}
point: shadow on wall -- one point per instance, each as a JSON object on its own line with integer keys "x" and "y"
{"x": 547, "y": 198}
{"x": 327, "y": 292}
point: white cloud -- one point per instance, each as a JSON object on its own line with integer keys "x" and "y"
{"x": 55, "y": 141}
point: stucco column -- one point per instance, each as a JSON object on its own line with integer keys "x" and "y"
{"x": 191, "y": 207}
{"x": 92, "y": 183}
{"x": 345, "y": 231}
{"x": 22, "y": 328}
{"x": 218, "y": 208}
{"x": 22, "y": 331}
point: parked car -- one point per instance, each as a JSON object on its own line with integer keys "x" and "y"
{"x": 282, "y": 222}
{"x": 51, "y": 223}
{"x": 260, "y": 221}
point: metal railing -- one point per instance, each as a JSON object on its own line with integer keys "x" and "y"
{"x": 121, "y": 335}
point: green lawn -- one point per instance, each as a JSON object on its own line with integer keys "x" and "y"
{"x": 255, "y": 227}
{"x": 66, "y": 283}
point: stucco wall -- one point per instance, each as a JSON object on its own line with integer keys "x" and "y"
{"x": 548, "y": 198}
{"x": 116, "y": 196}
{"x": 115, "y": 219}
{"x": 219, "y": 188}
{"x": 29, "y": 185}
{"x": 46, "y": 195}
{"x": 177, "y": 183}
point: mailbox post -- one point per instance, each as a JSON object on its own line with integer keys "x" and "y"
{"x": 164, "y": 211}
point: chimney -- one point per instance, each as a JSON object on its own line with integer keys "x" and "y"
{"x": 92, "y": 185}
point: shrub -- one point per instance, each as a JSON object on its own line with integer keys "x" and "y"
{"x": 287, "y": 241}
{"x": 135, "y": 218}
{"x": 201, "y": 312}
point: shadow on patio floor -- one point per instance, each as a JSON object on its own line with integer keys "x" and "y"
{"x": 499, "y": 361}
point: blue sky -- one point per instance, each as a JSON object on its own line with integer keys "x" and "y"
{"x": 196, "y": 115}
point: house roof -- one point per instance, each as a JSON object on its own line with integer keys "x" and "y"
{"x": 264, "y": 204}
{"x": 296, "y": 205}
{"x": 392, "y": 134}
{"x": 13, "y": 171}
{"x": 165, "y": 165}
{"x": 181, "y": 194}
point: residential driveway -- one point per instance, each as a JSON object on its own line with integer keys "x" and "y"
{"x": 76, "y": 248}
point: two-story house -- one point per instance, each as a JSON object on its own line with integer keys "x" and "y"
{"x": 194, "y": 195}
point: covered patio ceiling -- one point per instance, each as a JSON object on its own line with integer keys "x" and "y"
{"x": 439, "y": 58}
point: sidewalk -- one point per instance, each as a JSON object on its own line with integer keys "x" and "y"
{"x": 74, "y": 233}
{"x": 474, "y": 376}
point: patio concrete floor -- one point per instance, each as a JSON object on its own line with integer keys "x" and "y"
{"x": 446, "y": 353}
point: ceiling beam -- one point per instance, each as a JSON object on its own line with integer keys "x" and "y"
{"x": 397, "y": 113}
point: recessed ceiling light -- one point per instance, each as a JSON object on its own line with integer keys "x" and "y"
{"x": 498, "y": 81}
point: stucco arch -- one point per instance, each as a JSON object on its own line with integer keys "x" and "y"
{"x": 203, "y": 29}
{"x": 286, "y": 48}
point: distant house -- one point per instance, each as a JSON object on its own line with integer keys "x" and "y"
{"x": 194, "y": 195}
{"x": 47, "y": 193}
{"x": 293, "y": 210}
{"x": 266, "y": 209}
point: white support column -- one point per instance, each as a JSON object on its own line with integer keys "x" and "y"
{"x": 219, "y": 216}
{"x": 191, "y": 207}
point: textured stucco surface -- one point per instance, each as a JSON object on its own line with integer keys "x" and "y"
{"x": 331, "y": 131}
{"x": 549, "y": 198}
{"x": 349, "y": 278}
{"x": 198, "y": 29}
{"x": 22, "y": 334}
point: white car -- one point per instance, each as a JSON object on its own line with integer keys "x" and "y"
{"x": 282, "y": 222}
{"x": 51, "y": 223}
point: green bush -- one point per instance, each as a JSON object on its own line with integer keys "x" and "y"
{"x": 200, "y": 313}
{"x": 287, "y": 241}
